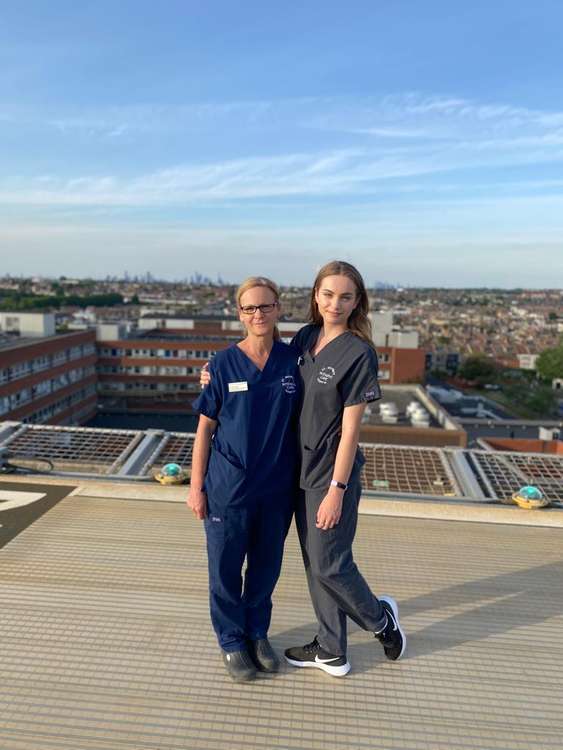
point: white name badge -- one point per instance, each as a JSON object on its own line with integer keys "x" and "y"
{"x": 235, "y": 387}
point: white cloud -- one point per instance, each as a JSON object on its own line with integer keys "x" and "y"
{"x": 344, "y": 172}
{"x": 389, "y": 144}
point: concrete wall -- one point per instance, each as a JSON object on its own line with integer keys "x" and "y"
{"x": 28, "y": 324}
{"x": 403, "y": 339}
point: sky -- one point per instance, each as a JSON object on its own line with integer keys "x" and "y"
{"x": 421, "y": 141}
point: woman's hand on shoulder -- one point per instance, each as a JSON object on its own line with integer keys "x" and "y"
{"x": 330, "y": 510}
{"x": 204, "y": 375}
{"x": 197, "y": 503}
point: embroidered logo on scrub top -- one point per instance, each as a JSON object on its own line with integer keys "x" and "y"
{"x": 326, "y": 374}
{"x": 288, "y": 384}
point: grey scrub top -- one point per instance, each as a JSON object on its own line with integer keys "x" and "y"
{"x": 342, "y": 374}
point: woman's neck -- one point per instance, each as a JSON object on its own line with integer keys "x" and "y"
{"x": 326, "y": 335}
{"x": 257, "y": 345}
{"x": 329, "y": 332}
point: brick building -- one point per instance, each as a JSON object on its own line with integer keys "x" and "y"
{"x": 48, "y": 379}
{"x": 156, "y": 367}
{"x": 61, "y": 378}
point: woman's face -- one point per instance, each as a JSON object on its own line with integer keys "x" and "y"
{"x": 256, "y": 321}
{"x": 336, "y": 298}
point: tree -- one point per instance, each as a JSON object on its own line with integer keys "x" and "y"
{"x": 550, "y": 363}
{"x": 478, "y": 367}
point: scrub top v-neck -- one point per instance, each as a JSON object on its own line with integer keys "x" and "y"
{"x": 343, "y": 373}
{"x": 254, "y": 448}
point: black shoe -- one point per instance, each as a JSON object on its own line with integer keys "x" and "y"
{"x": 263, "y": 655}
{"x": 314, "y": 655}
{"x": 239, "y": 665}
{"x": 392, "y": 637}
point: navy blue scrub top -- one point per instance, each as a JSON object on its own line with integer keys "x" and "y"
{"x": 254, "y": 451}
{"x": 342, "y": 374}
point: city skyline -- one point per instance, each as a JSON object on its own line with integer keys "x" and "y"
{"x": 426, "y": 148}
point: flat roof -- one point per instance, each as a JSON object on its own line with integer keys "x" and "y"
{"x": 163, "y": 334}
{"x": 401, "y": 397}
{"x": 107, "y": 642}
{"x": 18, "y": 342}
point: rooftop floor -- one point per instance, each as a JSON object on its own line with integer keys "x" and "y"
{"x": 107, "y": 643}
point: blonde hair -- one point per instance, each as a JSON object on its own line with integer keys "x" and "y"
{"x": 253, "y": 281}
{"x": 358, "y": 322}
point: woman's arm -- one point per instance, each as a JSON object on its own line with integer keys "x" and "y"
{"x": 330, "y": 509}
{"x": 197, "y": 499}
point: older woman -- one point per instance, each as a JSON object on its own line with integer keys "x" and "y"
{"x": 243, "y": 479}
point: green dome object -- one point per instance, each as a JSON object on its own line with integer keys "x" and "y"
{"x": 529, "y": 492}
{"x": 530, "y": 497}
{"x": 171, "y": 470}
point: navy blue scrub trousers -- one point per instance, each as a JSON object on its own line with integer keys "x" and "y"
{"x": 241, "y": 611}
{"x": 336, "y": 586}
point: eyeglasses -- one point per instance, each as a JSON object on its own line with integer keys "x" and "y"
{"x": 253, "y": 309}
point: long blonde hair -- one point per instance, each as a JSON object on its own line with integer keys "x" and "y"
{"x": 253, "y": 281}
{"x": 358, "y": 322}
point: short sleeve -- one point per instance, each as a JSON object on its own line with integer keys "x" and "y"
{"x": 360, "y": 384}
{"x": 210, "y": 400}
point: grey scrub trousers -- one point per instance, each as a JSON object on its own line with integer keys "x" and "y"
{"x": 342, "y": 374}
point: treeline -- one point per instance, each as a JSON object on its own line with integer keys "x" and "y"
{"x": 29, "y": 302}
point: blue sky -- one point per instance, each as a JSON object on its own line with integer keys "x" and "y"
{"x": 421, "y": 141}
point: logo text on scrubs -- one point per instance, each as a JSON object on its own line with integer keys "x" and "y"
{"x": 326, "y": 374}
{"x": 288, "y": 384}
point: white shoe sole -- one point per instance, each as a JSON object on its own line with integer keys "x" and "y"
{"x": 334, "y": 671}
{"x": 393, "y": 604}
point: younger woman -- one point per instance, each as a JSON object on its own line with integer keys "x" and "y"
{"x": 339, "y": 373}
{"x": 243, "y": 477}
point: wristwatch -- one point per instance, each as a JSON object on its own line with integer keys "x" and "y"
{"x": 340, "y": 485}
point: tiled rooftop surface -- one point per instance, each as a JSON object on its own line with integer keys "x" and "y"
{"x": 106, "y": 641}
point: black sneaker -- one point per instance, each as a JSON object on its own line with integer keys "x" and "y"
{"x": 314, "y": 655}
{"x": 392, "y": 637}
{"x": 263, "y": 655}
{"x": 239, "y": 665}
